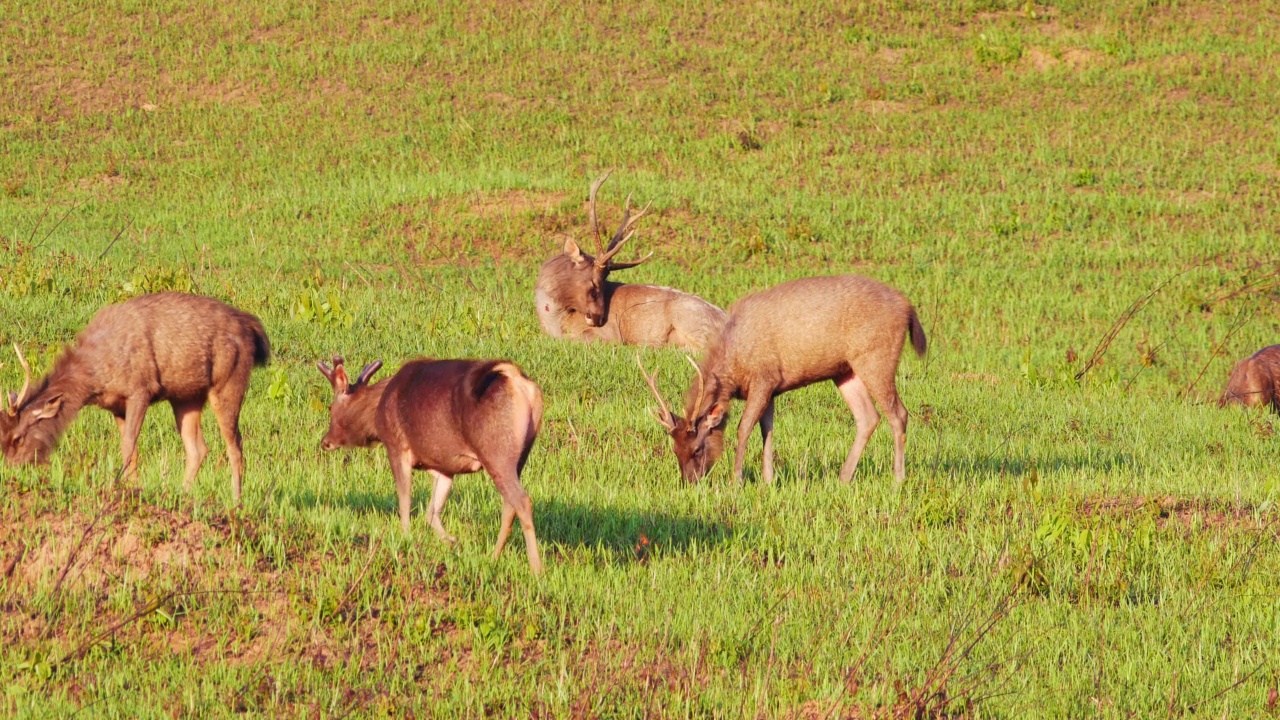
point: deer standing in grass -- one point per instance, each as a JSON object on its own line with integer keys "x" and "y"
{"x": 847, "y": 329}
{"x": 576, "y": 300}
{"x": 446, "y": 417}
{"x": 185, "y": 349}
{"x": 1255, "y": 380}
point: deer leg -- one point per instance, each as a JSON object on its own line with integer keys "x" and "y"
{"x": 766, "y": 434}
{"x": 439, "y": 493}
{"x": 516, "y": 500}
{"x": 227, "y": 410}
{"x": 402, "y": 471}
{"x": 886, "y": 395}
{"x": 858, "y": 398}
{"x": 757, "y": 402}
{"x": 187, "y": 416}
{"x": 135, "y": 411}
{"x": 504, "y": 532}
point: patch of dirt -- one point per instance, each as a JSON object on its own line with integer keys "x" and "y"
{"x": 517, "y": 202}
{"x": 883, "y": 107}
{"x": 890, "y": 56}
{"x": 1185, "y": 512}
{"x": 1079, "y": 58}
{"x": 1040, "y": 59}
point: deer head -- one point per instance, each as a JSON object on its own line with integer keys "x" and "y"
{"x": 582, "y": 291}
{"x": 699, "y": 439}
{"x": 351, "y": 415}
{"x": 29, "y": 422}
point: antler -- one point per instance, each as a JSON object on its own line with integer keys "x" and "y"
{"x": 595, "y": 186}
{"x": 15, "y": 401}
{"x": 624, "y": 234}
{"x": 368, "y": 372}
{"x": 701, "y": 385}
{"x": 664, "y": 415}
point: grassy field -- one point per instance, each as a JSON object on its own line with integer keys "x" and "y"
{"x": 382, "y": 180}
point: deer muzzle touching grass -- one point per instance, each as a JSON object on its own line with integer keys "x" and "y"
{"x": 447, "y": 417}
{"x": 186, "y": 349}
{"x": 1255, "y": 381}
{"x": 576, "y": 300}
{"x": 847, "y": 329}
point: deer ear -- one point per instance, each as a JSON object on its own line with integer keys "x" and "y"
{"x": 713, "y": 418}
{"x": 573, "y": 252}
{"x": 51, "y": 407}
{"x": 339, "y": 380}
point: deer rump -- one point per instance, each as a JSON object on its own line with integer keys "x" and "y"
{"x": 454, "y": 415}
{"x": 1255, "y": 380}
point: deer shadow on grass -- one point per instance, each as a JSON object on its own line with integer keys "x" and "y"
{"x": 926, "y": 465}
{"x": 614, "y": 534}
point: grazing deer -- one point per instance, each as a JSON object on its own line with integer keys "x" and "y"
{"x": 576, "y": 300}
{"x": 446, "y": 417}
{"x": 1255, "y": 380}
{"x": 846, "y": 328}
{"x": 186, "y": 349}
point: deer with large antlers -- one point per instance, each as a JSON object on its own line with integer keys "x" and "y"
{"x": 576, "y": 300}
{"x": 846, "y": 328}
{"x": 447, "y": 417}
{"x": 185, "y": 349}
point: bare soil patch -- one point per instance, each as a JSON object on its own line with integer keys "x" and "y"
{"x": 1184, "y": 512}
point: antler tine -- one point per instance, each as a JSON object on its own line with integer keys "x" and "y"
{"x": 625, "y": 232}
{"x": 26, "y": 381}
{"x": 595, "y": 187}
{"x": 701, "y": 384}
{"x": 665, "y": 417}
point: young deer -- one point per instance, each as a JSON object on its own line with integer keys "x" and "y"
{"x": 576, "y": 300}
{"x": 846, "y": 328}
{"x": 1255, "y": 380}
{"x": 446, "y": 417}
{"x": 185, "y": 349}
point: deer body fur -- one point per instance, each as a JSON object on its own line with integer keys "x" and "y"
{"x": 447, "y": 417}
{"x": 1255, "y": 381}
{"x": 186, "y": 349}
{"x": 847, "y": 329}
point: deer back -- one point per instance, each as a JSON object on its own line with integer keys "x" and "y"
{"x": 656, "y": 316}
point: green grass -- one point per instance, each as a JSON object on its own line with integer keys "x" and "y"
{"x": 1101, "y": 547}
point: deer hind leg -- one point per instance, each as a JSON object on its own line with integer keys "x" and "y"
{"x": 186, "y": 415}
{"x": 516, "y": 503}
{"x": 758, "y": 401}
{"x": 858, "y": 398}
{"x": 885, "y": 392}
{"x": 439, "y": 494}
{"x": 226, "y": 408}
{"x": 130, "y": 427}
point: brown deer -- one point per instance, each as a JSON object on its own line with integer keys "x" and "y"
{"x": 186, "y": 349}
{"x": 1255, "y": 380}
{"x": 577, "y": 301}
{"x": 446, "y": 417}
{"x": 845, "y": 328}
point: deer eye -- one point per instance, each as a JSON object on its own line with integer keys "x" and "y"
{"x": 593, "y": 293}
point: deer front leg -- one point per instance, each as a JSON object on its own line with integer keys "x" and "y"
{"x": 402, "y": 471}
{"x": 766, "y": 434}
{"x": 757, "y": 402}
{"x": 130, "y": 427}
{"x": 439, "y": 494}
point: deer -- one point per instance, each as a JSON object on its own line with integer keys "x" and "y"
{"x": 576, "y": 300}
{"x": 848, "y": 329}
{"x": 447, "y": 417}
{"x": 1255, "y": 381}
{"x": 186, "y": 349}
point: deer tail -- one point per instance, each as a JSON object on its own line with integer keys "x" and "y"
{"x": 918, "y": 340}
